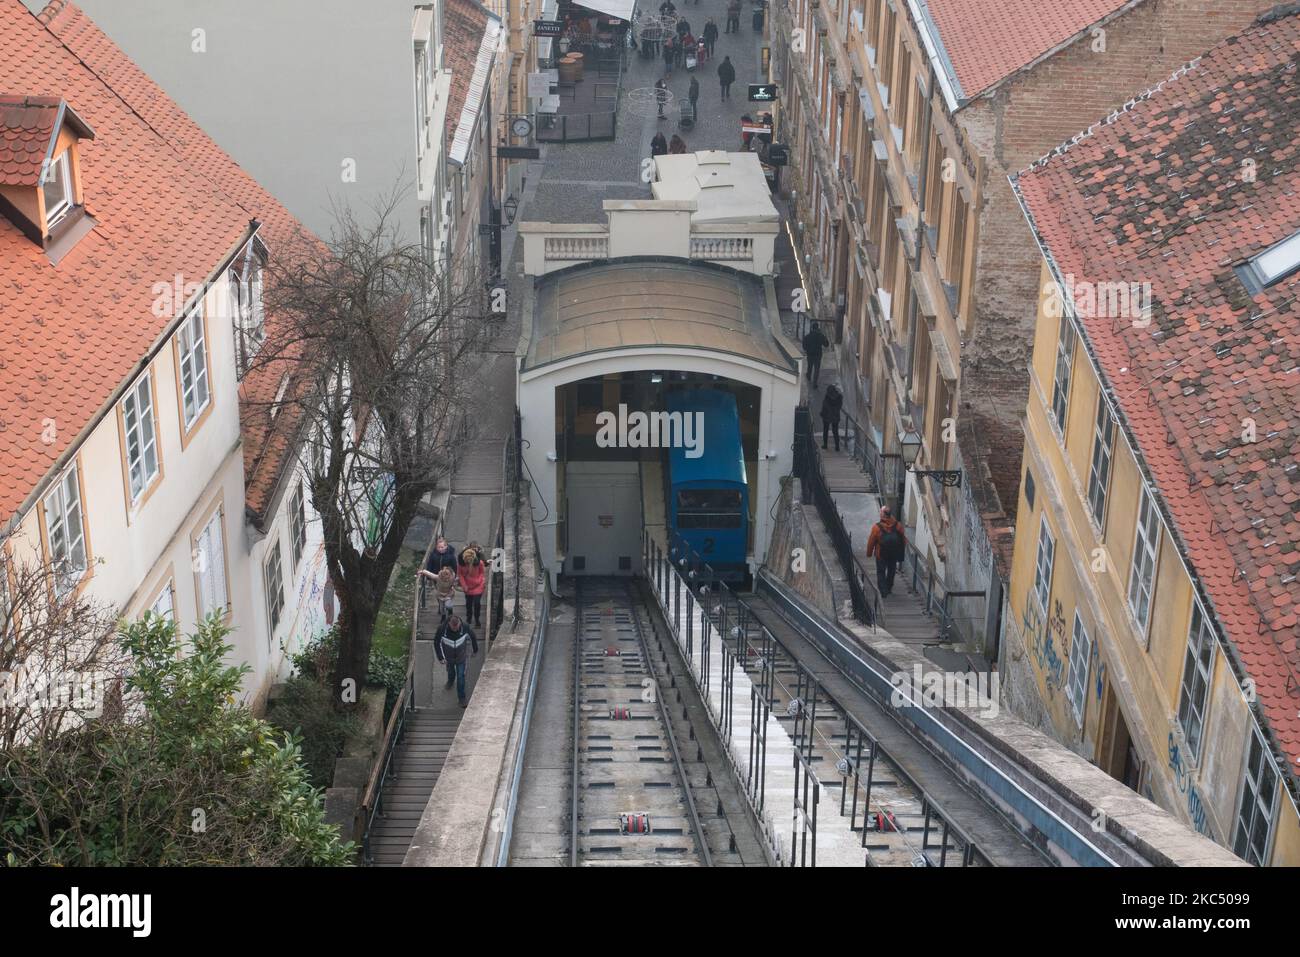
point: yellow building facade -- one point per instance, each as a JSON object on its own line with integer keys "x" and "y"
{"x": 1105, "y": 625}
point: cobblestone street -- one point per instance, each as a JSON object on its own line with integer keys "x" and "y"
{"x": 577, "y": 177}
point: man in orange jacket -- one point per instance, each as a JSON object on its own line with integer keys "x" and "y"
{"x": 887, "y": 545}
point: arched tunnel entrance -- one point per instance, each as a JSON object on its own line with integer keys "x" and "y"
{"x": 673, "y": 453}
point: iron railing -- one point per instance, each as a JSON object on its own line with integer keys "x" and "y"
{"x": 595, "y": 126}
{"x": 372, "y": 802}
{"x": 681, "y": 580}
{"x": 862, "y": 590}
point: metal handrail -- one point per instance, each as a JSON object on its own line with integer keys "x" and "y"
{"x": 863, "y": 592}
{"x": 372, "y": 800}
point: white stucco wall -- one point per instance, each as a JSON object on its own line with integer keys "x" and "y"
{"x": 536, "y": 401}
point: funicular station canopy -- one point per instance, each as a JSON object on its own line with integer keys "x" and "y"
{"x": 628, "y": 332}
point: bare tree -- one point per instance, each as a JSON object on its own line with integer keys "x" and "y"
{"x": 366, "y": 337}
{"x": 59, "y": 658}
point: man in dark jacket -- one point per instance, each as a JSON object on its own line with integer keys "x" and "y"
{"x": 693, "y": 94}
{"x": 710, "y": 35}
{"x": 733, "y": 17}
{"x": 832, "y": 402}
{"x": 726, "y": 76}
{"x": 813, "y": 343}
{"x": 887, "y": 544}
{"x": 452, "y": 646}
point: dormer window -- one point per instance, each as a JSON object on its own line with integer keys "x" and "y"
{"x": 40, "y": 172}
{"x": 246, "y": 298}
{"x": 57, "y": 190}
{"x": 1271, "y": 266}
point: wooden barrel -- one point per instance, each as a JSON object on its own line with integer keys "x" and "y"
{"x": 569, "y": 70}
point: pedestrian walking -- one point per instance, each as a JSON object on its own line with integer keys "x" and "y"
{"x": 670, "y": 54}
{"x": 710, "y": 35}
{"x": 733, "y": 17}
{"x": 813, "y": 344}
{"x": 661, "y": 94}
{"x": 472, "y": 572}
{"x": 683, "y": 27}
{"x": 444, "y": 592}
{"x": 658, "y": 145}
{"x": 887, "y": 544}
{"x": 726, "y": 76}
{"x": 455, "y": 638}
{"x": 441, "y": 556}
{"x": 832, "y": 403}
{"x": 693, "y": 94}
{"x": 677, "y": 145}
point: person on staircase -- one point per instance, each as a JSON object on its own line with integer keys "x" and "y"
{"x": 887, "y": 544}
{"x": 453, "y": 647}
{"x": 832, "y": 403}
{"x": 472, "y": 570}
{"x": 442, "y": 556}
{"x": 814, "y": 343}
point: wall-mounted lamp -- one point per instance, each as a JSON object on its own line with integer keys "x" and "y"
{"x": 910, "y": 441}
{"x": 511, "y": 208}
{"x": 550, "y": 456}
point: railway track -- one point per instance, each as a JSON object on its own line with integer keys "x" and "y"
{"x": 632, "y": 801}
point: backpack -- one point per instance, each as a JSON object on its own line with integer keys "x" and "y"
{"x": 891, "y": 542}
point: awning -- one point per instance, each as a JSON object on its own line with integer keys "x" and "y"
{"x": 622, "y": 9}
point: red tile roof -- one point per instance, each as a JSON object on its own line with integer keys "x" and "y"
{"x": 28, "y": 128}
{"x": 988, "y": 40}
{"x": 463, "y": 24}
{"x": 168, "y": 200}
{"x": 1199, "y": 176}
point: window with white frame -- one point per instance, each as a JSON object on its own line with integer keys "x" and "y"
{"x": 57, "y": 190}
{"x": 421, "y": 99}
{"x": 210, "y": 567}
{"x": 1258, "y": 795}
{"x": 65, "y": 530}
{"x": 1198, "y": 671}
{"x": 192, "y": 349}
{"x": 298, "y": 523}
{"x": 141, "y": 437}
{"x": 1103, "y": 445}
{"x": 1064, "y": 367}
{"x": 249, "y": 312}
{"x": 1142, "y": 575}
{"x": 1080, "y": 654}
{"x": 164, "y": 606}
{"x": 274, "y": 574}
{"x": 1043, "y": 564}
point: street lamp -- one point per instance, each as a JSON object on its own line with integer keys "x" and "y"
{"x": 511, "y": 208}
{"x": 910, "y": 441}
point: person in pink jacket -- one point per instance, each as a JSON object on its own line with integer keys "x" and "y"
{"x": 472, "y": 571}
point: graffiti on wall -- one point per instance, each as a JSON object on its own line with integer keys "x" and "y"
{"x": 1183, "y": 777}
{"x": 1043, "y": 644}
{"x": 314, "y": 605}
{"x": 1099, "y": 669}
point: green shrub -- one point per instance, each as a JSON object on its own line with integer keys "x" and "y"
{"x": 306, "y": 709}
{"x": 192, "y": 779}
{"x": 316, "y": 660}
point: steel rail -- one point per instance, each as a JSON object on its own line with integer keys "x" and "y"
{"x": 696, "y": 826}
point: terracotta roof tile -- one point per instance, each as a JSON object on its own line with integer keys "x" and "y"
{"x": 1195, "y": 179}
{"x": 988, "y": 40}
{"x": 463, "y": 25}
{"x": 168, "y": 200}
